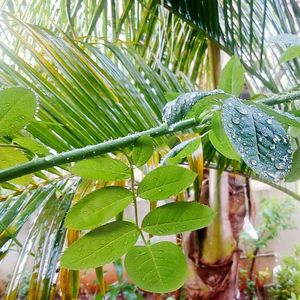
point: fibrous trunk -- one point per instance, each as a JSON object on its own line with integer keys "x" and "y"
{"x": 213, "y": 252}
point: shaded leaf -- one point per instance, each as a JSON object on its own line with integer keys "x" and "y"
{"x": 158, "y": 268}
{"x": 142, "y": 151}
{"x": 177, "y": 109}
{"x": 219, "y": 139}
{"x": 173, "y": 218}
{"x": 100, "y": 246}
{"x": 232, "y": 77}
{"x": 98, "y": 207}
{"x": 18, "y": 106}
{"x": 258, "y": 138}
{"x": 164, "y": 182}
{"x": 104, "y": 168}
{"x": 181, "y": 151}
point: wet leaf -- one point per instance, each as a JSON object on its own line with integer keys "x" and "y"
{"x": 260, "y": 140}
{"x": 100, "y": 246}
{"x": 104, "y": 168}
{"x": 18, "y": 106}
{"x": 173, "y": 218}
{"x": 177, "y": 109}
{"x": 181, "y": 151}
{"x": 98, "y": 207}
{"x": 164, "y": 182}
{"x": 142, "y": 151}
{"x": 159, "y": 268}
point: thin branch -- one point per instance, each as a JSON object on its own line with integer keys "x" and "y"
{"x": 49, "y": 161}
{"x": 281, "y": 98}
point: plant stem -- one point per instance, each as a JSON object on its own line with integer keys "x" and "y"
{"x": 277, "y": 99}
{"x": 135, "y": 205}
{"x": 38, "y": 164}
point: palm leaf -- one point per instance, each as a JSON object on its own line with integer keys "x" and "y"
{"x": 246, "y": 28}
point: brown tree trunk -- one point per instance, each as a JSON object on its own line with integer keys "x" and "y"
{"x": 213, "y": 252}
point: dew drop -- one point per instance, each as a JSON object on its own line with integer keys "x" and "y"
{"x": 253, "y": 162}
{"x": 280, "y": 166}
{"x": 269, "y": 121}
{"x": 235, "y": 120}
{"x": 242, "y": 110}
{"x": 272, "y": 147}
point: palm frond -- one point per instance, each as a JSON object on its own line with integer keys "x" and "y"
{"x": 246, "y": 28}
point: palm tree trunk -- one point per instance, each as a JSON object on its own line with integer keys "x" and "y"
{"x": 213, "y": 253}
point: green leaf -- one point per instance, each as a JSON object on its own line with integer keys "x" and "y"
{"x": 232, "y": 77}
{"x": 290, "y": 53}
{"x": 164, "y": 182}
{"x": 104, "y": 168}
{"x": 142, "y": 151}
{"x": 177, "y": 217}
{"x": 31, "y": 144}
{"x": 98, "y": 207}
{"x": 294, "y": 173}
{"x": 281, "y": 116}
{"x": 181, "y": 151}
{"x": 171, "y": 95}
{"x": 159, "y": 268}
{"x": 177, "y": 109}
{"x": 100, "y": 246}
{"x": 10, "y": 157}
{"x": 219, "y": 139}
{"x": 258, "y": 138}
{"x": 18, "y": 106}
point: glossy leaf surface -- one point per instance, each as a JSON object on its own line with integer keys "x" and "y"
{"x": 177, "y": 109}
{"x": 258, "y": 138}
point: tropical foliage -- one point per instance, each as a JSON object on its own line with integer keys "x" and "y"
{"x": 84, "y": 131}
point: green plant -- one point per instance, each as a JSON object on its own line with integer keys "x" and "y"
{"x": 288, "y": 277}
{"x": 108, "y": 99}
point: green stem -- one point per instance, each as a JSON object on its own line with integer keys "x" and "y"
{"x": 134, "y": 198}
{"x": 133, "y": 194}
{"x": 38, "y": 164}
{"x": 277, "y": 99}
